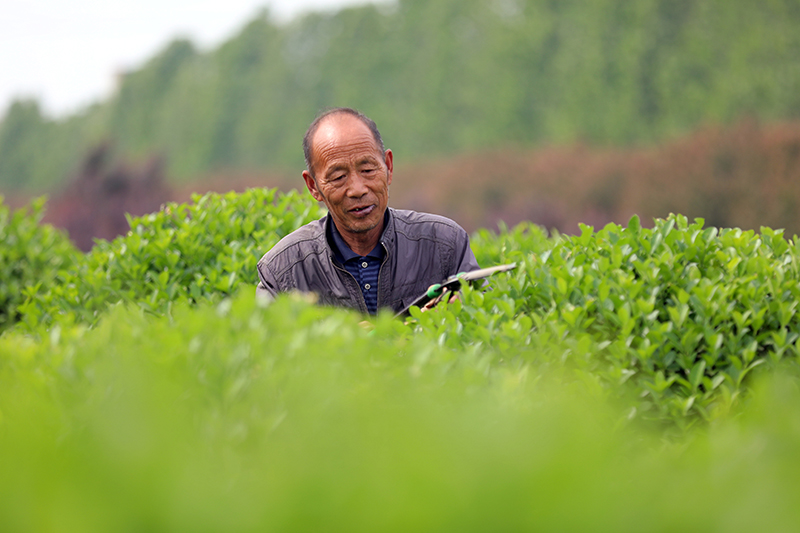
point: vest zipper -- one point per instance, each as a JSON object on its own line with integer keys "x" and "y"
{"x": 361, "y": 299}
{"x": 380, "y": 270}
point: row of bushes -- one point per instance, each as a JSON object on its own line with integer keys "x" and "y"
{"x": 134, "y": 398}
{"x": 681, "y": 312}
{"x": 198, "y": 251}
{"x": 228, "y": 417}
{"x": 32, "y": 256}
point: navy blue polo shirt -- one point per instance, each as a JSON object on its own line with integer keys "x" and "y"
{"x": 364, "y": 269}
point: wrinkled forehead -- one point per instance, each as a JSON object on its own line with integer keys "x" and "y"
{"x": 341, "y": 135}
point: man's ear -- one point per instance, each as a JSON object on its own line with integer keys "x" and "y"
{"x": 311, "y": 185}
{"x": 388, "y": 159}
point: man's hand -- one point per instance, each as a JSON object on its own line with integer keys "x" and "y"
{"x": 433, "y": 303}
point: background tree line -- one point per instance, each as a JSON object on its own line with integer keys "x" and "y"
{"x": 439, "y": 77}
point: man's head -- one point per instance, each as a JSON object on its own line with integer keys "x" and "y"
{"x": 349, "y": 170}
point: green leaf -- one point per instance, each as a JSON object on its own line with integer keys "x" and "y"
{"x": 696, "y": 374}
{"x": 634, "y": 225}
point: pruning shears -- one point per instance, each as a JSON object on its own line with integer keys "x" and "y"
{"x": 453, "y": 284}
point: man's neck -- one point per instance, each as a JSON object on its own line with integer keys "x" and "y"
{"x": 362, "y": 243}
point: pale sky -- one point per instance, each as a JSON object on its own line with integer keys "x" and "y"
{"x": 65, "y": 53}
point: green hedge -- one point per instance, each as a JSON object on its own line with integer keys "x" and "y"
{"x": 32, "y": 256}
{"x": 202, "y": 250}
{"x": 526, "y": 406}
{"x": 227, "y": 417}
{"x": 682, "y": 312}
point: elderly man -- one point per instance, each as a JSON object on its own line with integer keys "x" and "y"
{"x": 363, "y": 254}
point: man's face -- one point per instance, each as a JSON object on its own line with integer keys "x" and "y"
{"x": 351, "y": 174}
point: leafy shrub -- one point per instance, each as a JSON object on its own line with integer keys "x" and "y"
{"x": 685, "y": 312}
{"x": 227, "y": 417}
{"x": 681, "y": 311}
{"x": 509, "y": 245}
{"x": 30, "y": 255}
{"x": 489, "y": 412}
{"x": 198, "y": 251}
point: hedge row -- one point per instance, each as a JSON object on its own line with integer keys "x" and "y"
{"x": 680, "y": 312}
{"x": 519, "y": 407}
{"x": 231, "y": 418}
{"x": 32, "y": 256}
{"x": 199, "y": 251}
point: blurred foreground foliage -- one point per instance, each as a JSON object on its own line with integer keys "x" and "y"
{"x": 438, "y": 77}
{"x": 614, "y": 377}
{"x": 227, "y": 417}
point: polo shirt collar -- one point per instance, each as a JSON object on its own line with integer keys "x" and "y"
{"x": 343, "y": 252}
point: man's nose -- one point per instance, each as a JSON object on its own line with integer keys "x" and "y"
{"x": 357, "y": 186}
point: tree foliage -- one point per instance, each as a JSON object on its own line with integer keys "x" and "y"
{"x": 439, "y": 77}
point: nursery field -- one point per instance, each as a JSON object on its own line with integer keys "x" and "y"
{"x": 624, "y": 379}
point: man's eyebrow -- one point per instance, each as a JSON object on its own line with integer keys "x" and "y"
{"x": 368, "y": 159}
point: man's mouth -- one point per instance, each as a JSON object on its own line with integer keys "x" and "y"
{"x": 363, "y": 210}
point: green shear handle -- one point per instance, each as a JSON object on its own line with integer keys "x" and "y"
{"x": 453, "y": 284}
